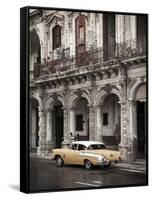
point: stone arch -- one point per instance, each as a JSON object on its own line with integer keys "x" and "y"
{"x": 54, "y": 121}
{"x": 51, "y": 101}
{"x": 75, "y": 98}
{"x": 35, "y": 106}
{"x": 138, "y": 108}
{"x": 34, "y": 40}
{"x": 37, "y": 97}
{"x": 79, "y": 112}
{"x": 103, "y": 94}
{"x": 135, "y": 87}
{"x": 111, "y": 119}
{"x": 35, "y": 53}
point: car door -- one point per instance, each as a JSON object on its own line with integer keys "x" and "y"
{"x": 70, "y": 155}
{"x": 79, "y": 155}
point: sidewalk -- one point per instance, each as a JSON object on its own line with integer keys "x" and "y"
{"x": 48, "y": 157}
{"x": 138, "y": 165}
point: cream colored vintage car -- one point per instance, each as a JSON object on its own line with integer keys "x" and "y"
{"x": 87, "y": 153}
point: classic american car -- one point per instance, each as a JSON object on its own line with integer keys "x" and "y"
{"x": 87, "y": 153}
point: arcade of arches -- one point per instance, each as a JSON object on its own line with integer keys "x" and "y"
{"x": 50, "y": 127}
{"x": 35, "y": 52}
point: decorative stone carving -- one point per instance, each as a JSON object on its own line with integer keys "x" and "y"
{"x": 107, "y": 88}
{"x": 66, "y": 134}
{"x": 91, "y": 122}
{"x": 54, "y": 96}
{"x": 91, "y": 78}
{"x": 78, "y": 92}
{"x": 132, "y": 82}
{"x": 41, "y": 148}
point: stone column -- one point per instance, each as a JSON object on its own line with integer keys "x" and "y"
{"x": 49, "y": 141}
{"x": 124, "y": 146}
{"x": 49, "y": 126}
{"x": 66, "y": 136}
{"x": 91, "y": 123}
{"x": 41, "y": 147}
{"x": 132, "y": 128}
{"x": 72, "y": 120}
{"x": 99, "y": 135}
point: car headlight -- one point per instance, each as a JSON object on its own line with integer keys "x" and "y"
{"x": 100, "y": 158}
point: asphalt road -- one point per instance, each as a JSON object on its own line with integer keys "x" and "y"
{"x": 44, "y": 175}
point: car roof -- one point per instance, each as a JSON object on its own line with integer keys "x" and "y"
{"x": 87, "y": 143}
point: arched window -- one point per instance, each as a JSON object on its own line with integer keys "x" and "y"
{"x": 108, "y": 36}
{"x": 80, "y": 27}
{"x": 80, "y": 30}
{"x": 56, "y": 36}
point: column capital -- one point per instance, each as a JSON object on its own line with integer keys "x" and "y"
{"x": 41, "y": 109}
{"x": 64, "y": 108}
{"x": 90, "y": 105}
{"x": 50, "y": 109}
{"x": 71, "y": 108}
{"x": 98, "y": 105}
{"x": 131, "y": 103}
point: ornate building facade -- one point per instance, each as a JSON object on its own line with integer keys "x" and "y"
{"x": 88, "y": 76}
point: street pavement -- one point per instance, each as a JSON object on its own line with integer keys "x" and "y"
{"x": 44, "y": 175}
{"x": 137, "y": 165}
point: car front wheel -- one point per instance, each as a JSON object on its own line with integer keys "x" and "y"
{"x": 87, "y": 164}
{"x": 107, "y": 166}
{"x": 59, "y": 161}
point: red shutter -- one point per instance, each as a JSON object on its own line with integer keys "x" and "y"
{"x": 80, "y": 47}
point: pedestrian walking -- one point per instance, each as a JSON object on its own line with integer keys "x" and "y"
{"x": 72, "y": 137}
{"x": 77, "y": 137}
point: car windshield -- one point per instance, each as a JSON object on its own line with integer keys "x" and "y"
{"x": 96, "y": 146}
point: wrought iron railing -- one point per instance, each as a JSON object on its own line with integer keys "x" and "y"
{"x": 122, "y": 51}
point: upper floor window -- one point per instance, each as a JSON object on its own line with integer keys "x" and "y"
{"x": 108, "y": 36}
{"x": 56, "y": 36}
{"x": 141, "y": 32}
{"x": 80, "y": 39}
{"x": 82, "y": 35}
{"x": 80, "y": 30}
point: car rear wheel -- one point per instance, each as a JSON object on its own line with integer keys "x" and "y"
{"x": 59, "y": 161}
{"x": 87, "y": 164}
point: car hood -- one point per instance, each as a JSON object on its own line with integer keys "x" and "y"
{"x": 108, "y": 154}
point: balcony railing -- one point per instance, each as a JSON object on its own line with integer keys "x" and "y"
{"x": 92, "y": 56}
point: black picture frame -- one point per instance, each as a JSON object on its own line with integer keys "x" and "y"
{"x": 25, "y": 162}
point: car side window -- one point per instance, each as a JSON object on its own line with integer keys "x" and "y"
{"x": 81, "y": 147}
{"x": 90, "y": 147}
{"x": 74, "y": 146}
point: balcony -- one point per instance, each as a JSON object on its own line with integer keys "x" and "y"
{"x": 91, "y": 57}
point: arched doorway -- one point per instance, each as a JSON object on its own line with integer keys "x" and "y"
{"x": 34, "y": 127}
{"x": 79, "y": 124}
{"x": 35, "y": 53}
{"x": 111, "y": 128}
{"x": 141, "y": 111}
{"x": 55, "y": 125}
